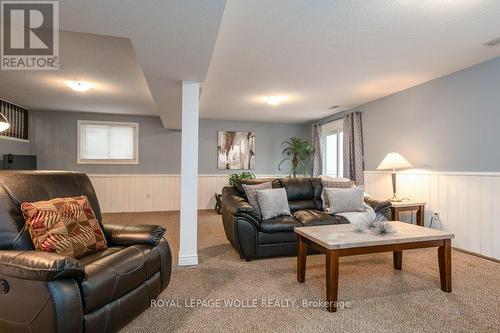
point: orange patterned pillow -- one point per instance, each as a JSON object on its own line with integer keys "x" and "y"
{"x": 66, "y": 226}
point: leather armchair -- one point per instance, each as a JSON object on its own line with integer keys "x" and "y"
{"x": 133, "y": 234}
{"x": 40, "y": 266}
{"x": 101, "y": 292}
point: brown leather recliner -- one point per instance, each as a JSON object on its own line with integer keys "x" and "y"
{"x": 101, "y": 292}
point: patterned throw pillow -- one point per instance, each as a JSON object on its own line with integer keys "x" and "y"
{"x": 251, "y": 192}
{"x": 66, "y": 226}
{"x": 334, "y": 184}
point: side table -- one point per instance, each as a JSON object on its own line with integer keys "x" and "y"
{"x": 406, "y": 206}
{"x": 218, "y": 202}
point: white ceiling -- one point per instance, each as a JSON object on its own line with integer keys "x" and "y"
{"x": 108, "y": 63}
{"x": 324, "y": 53}
{"x": 173, "y": 40}
{"x": 317, "y": 52}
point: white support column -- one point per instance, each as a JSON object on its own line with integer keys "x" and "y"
{"x": 188, "y": 247}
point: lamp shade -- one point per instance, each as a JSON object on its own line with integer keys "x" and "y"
{"x": 4, "y": 123}
{"x": 394, "y": 161}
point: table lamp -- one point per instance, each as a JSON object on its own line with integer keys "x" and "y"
{"x": 394, "y": 161}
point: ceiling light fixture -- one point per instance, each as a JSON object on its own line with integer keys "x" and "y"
{"x": 79, "y": 86}
{"x": 274, "y": 100}
{"x": 493, "y": 42}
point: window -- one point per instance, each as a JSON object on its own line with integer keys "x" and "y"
{"x": 333, "y": 149}
{"x": 18, "y": 118}
{"x": 107, "y": 142}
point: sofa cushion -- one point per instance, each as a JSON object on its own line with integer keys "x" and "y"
{"x": 311, "y": 217}
{"x": 66, "y": 226}
{"x": 30, "y": 186}
{"x": 279, "y": 224}
{"x": 303, "y": 193}
{"x": 238, "y": 185}
{"x": 115, "y": 272}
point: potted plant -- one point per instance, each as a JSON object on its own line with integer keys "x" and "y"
{"x": 297, "y": 151}
{"x": 243, "y": 175}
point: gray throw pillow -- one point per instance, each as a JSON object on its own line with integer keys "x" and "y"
{"x": 273, "y": 203}
{"x": 343, "y": 200}
{"x": 251, "y": 192}
{"x": 333, "y": 184}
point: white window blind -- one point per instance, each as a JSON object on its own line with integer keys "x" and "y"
{"x": 107, "y": 143}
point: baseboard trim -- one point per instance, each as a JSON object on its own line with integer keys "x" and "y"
{"x": 476, "y": 255}
{"x": 188, "y": 260}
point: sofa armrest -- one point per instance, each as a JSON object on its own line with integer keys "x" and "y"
{"x": 133, "y": 234}
{"x": 237, "y": 205}
{"x": 382, "y": 207}
{"x": 40, "y": 266}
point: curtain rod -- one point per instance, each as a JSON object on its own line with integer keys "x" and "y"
{"x": 334, "y": 117}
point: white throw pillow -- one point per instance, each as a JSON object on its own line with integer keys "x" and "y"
{"x": 344, "y": 200}
{"x": 273, "y": 203}
{"x": 332, "y": 183}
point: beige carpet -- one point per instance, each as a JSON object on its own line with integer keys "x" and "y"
{"x": 381, "y": 299}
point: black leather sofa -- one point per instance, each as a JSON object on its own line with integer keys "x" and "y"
{"x": 101, "y": 292}
{"x": 253, "y": 237}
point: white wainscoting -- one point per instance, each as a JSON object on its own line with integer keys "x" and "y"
{"x": 468, "y": 204}
{"x": 137, "y": 193}
{"x": 152, "y": 192}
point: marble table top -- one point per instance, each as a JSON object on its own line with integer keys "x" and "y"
{"x": 343, "y": 236}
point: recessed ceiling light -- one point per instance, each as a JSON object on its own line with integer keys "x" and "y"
{"x": 79, "y": 86}
{"x": 274, "y": 100}
{"x": 493, "y": 42}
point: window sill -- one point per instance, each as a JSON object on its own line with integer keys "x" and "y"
{"x": 107, "y": 162}
{"x": 14, "y": 139}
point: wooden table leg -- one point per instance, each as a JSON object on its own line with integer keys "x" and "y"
{"x": 397, "y": 257}
{"x": 301, "y": 259}
{"x": 394, "y": 214}
{"x": 332, "y": 279}
{"x": 421, "y": 216}
{"x": 444, "y": 256}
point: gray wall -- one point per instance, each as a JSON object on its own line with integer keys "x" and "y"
{"x": 13, "y": 147}
{"x": 268, "y": 139}
{"x": 448, "y": 124}
{"x": 53, "y": 140}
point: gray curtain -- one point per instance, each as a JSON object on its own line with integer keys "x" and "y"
{"x": 317, "y": 165}
{"x": 354, "y": 160}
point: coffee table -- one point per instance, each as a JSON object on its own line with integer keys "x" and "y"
{"x": 341, "y": 240}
